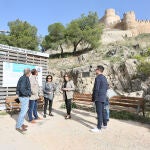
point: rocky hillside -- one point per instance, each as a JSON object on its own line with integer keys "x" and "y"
{"x": 126, "y": 65}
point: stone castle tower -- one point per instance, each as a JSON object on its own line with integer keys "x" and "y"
{"x": 110, "y": 17}
{"x": 129, "y": 22}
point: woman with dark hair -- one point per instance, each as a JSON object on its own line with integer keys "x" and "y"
{"x": 35, "y": 90}
{"x": 48, "y": 90}
{"x": 68, "y": 90}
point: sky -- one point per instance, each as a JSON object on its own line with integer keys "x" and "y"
{"x": 42, "y": 13}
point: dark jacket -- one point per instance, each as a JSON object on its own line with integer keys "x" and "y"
{"x": 100, "y": 89}
{"x": 23, "y": 87}
{"x": 107, "y": 101}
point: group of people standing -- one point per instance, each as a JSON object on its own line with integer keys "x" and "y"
{"x": 28, "y": 91}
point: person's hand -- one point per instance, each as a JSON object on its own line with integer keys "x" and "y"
{"x": 93, "y": 104}
{"x": 64, "y": 89}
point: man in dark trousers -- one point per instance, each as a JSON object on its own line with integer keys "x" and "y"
{"x": 99, "y": 97}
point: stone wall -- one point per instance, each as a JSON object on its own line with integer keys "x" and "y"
{"x": 110, "y": 36}
{"x": 119, "y": 75}
{"x": 143, "y": 27}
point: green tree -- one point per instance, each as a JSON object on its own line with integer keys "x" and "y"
{"x": 85, "y": 30}
{"x": 56, "y": 37}
{"x": 4, "y": 39}
{"x": 74, "y": 34}
{"x": 23, "y": 35}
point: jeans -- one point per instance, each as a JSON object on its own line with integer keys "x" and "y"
{"x": 32, "y": 110}
{"x": 101, "y": 114}
{"x": 24, "y": 108}
{"x": 46, "y": 101}
{"x": 68, "y": 105}
{"x": 107, "y": 111}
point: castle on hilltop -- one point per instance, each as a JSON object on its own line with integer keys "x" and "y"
{"x": 129, "y": 22}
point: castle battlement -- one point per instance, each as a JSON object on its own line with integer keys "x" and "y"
{"x": 129, "y": 13}
{"x": 143, "y": 21}
{"x": 128, "y": 22}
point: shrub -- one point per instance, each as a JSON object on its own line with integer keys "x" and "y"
{"x": 139, "y": 57}
{"x": 2, "y": 113}
{"x": 147, "y": 53}
{"x": 144, "y": 68}
{"x": 129, "y": 116}
{"x": 143, "y": 36}
{"x": 63, "y": 106}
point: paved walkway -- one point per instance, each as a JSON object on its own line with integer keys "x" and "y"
{"x": 56, "y": 133}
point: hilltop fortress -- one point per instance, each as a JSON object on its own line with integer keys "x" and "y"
{"x": 128, "y": 26}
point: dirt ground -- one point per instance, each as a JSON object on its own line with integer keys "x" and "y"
{"x": 56, "y": 133}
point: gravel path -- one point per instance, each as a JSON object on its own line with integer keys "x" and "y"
{"x": 56, "y": 133}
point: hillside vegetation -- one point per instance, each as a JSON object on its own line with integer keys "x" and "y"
{"x": 136, "y": 47}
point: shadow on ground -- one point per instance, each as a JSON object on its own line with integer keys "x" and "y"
{"x": 77, "y": 118}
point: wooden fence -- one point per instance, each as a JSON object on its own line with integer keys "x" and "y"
{"x": 20, "y": 56}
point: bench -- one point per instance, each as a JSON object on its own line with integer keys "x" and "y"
{"x": 12, "y": 105}
{"x": 130, "y": 104}
{"x": 82, "y": 99}
{"x": 40, "y": 102}
{"x": 117, "y": 103}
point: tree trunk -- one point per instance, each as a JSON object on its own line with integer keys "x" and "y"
{"x": 75, "y": 46}
{"x": 62, "y": 51}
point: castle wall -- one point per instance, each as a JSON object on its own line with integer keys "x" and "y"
{"x": 110, "y": 36}
{"x": 119, "y": 26}
{"x": 143, "y": 27}
{"x": 129, "y": 22}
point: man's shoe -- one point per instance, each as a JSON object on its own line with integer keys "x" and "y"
{"x": 95, "y": 130}
{"x": 33, "y": 121}
{"x": 21, "y": 130}
{"x": 24, "y": 126}
{"x": 51, "y": 115}
{"x": 104, "y": 127}
{"x": 68, "y": 117}
{"x": 44, "y": 116}
{"x": 38, "y": 118}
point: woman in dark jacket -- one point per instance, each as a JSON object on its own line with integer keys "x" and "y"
{"x": 48, "y": 90}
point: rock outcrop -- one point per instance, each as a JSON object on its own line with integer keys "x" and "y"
{"x": 121, "y": 76}
{"x": 121, "y": 69}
